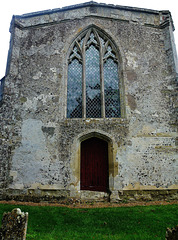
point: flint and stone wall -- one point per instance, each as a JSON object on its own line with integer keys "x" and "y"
{"x": 40, "y": 147}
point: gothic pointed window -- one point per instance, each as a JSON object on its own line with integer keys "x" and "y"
{"x": 93, "y": 79}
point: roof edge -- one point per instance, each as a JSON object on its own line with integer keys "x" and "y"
{"x": 87, "y": 4}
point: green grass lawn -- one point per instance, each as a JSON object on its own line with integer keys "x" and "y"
{"x": 146, "y": 222}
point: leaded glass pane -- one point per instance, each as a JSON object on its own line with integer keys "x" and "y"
{"x": 74, "y": 54}
{"x": 93, "y": 95}
{"x": 74, "y": 90}
{"x": 81, "y": 41}
{"x": 109, "y": 53}
{"x": 92, "y": 39}
{"x": 102, "y": 41}
{"x": 111, "y": 89}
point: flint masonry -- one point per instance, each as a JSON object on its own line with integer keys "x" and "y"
{"x": 89, "y": 105}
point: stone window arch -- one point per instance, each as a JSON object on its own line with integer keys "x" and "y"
{"x": 93, "y": 77}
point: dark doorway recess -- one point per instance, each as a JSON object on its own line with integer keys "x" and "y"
{"x": 94, "y": 165}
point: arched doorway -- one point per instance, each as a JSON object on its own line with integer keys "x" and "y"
{"x": 94, "y": 165}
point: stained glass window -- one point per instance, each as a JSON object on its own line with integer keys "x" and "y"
{"x": 74, "y": 90}
{"x": 93, "y": 80}
{"x": 93, "y": 96}
{"x": 111, "y": 89}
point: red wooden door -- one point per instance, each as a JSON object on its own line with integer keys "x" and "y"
{"x": 94, "y": 165}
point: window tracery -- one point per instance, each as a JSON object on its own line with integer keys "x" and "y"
{"x": 93, "y": 79}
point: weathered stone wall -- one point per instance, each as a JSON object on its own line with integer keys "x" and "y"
{"x": 40, "y": 148}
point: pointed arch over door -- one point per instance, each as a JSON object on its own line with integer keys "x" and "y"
{"x": 93, "y": 76}
{"x": 94, "y": 173}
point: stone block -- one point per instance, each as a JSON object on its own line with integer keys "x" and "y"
{"x": 172, "y": 234}
{"x": 14, "y": 225}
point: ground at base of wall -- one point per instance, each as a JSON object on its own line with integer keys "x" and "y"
{"x": 84, "y": 204}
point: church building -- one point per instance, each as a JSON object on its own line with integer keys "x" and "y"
{"x": 88, "y": 105}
